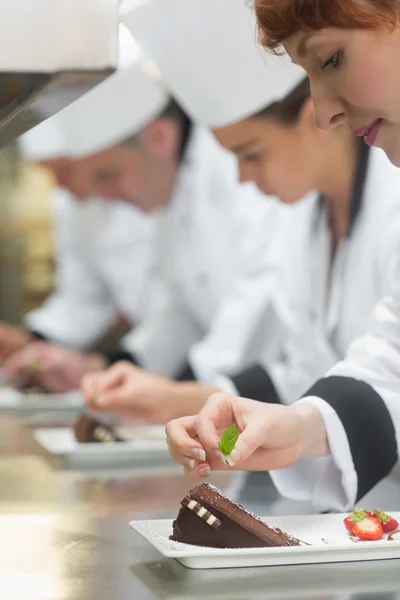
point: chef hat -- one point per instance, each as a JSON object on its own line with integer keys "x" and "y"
{"x": 43, "y": 142}
{"x": 209, "y": 58}
{"x": 117, "y": 108}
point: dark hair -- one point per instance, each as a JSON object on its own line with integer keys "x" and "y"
{"x": 287, "y": 111}
{"x": 280, "y": 19}
{"x": 172, "y": 112}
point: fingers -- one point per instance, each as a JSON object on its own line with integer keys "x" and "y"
{"x": 181, "y": 436}
{"x": 90, "y": 387}
{"x": 114, "y": 377}
{"x": 215, "y": 416}
{"x": 16, "y": 367}
{"x": 95, "y": 385}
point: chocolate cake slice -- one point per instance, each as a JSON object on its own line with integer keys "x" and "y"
{"x": 208, "y": 518}
{"x": 88, "y": 430}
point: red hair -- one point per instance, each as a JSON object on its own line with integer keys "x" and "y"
{"x": 279, "y": 19}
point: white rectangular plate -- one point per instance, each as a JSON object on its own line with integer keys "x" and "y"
{"x": 147, "y": 445}
{"x": 309, "y": 528}
{"x": 16, "y": 402}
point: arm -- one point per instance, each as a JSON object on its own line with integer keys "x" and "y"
{"x": 253, "y": 316}
{"x": 359, "y": 401}
{"x": 80, "y": 310}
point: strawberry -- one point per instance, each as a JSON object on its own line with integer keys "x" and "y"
{"x": 349, "y": 525}
{"x": 388, "y": 523}
{"x": 369, "y": 528}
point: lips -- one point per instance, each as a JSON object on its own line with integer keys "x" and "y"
{"x": 369, "y": 132}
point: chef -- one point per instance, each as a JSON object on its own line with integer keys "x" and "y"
{"x": 210, "y": 229}
{"x": 104, "y": 243}
{"x": 329, "y": 294}
{"x": 357, "y": 400}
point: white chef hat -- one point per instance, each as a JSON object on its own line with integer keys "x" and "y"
{"x": 117, "y": 108}
{"x": 209, "y": 58}
{"x": 43, "y": 142}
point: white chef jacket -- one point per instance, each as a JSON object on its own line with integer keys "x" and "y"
{"x": 330, "y": 302}
{"x": 104, "y": 253}
{"x": 214, "y": 264}
{"x": 360, "y": 397}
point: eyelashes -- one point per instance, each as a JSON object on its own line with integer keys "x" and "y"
{"x": 333, "y": 61}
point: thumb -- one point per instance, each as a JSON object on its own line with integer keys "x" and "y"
{"x": 112, "y": 378}
{"x": 251, "y": 438}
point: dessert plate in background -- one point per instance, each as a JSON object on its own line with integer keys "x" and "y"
{"x": 330, "y": 543}
{"x": 145, "y": 444}
{"x": 14, "y": 401}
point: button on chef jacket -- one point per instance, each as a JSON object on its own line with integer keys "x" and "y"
{"x": 360, "y": 397}
{"x": 213, "y": 253}
{"x": 104, "y": 253}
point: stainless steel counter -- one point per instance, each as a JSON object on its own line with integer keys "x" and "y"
{"x": 80, "y": 558}
{"x": 64, "y": 536}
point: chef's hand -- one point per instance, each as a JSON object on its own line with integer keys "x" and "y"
{"x": 132, "y": 392}
{"x": 270, "y": 436}
{"x": 12, "y": 339}
{"x": 52, "y": 367}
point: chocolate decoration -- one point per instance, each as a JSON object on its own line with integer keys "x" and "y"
{"x": 390, "y": 537}
{"x": 238, "y": 529}
{"x": 201, "y": 512}
{"x": 88, "y": 430}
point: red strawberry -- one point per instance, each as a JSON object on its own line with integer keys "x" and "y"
{"x": 369, "y": 528}
{"x": 388, "y": 523}
{"x": 349, "y": 525}
{"x": 357, "y": 514}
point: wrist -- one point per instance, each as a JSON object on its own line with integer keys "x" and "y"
{"x": 190, "y": 397}
{"x": 313, "y": 440}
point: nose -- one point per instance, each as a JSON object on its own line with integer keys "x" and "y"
{"x": 329, "y": 111}
{"x": 245, "y": 173}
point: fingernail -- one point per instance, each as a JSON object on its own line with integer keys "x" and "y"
{"x": 198, "y": 454}
{"x": 204, "y": 471}
{"x": 220, "y": 456}
{"x": 229, "y": 461}
{"x": 189, "y": 462}
{"x": 235, "y": 456}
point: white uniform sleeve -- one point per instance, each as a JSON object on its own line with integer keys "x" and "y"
{"x": 360, "y": 402}
{"x": 80, "y": 310}
{"x": 161, "y": 342}
{"x": 246, "y": 317}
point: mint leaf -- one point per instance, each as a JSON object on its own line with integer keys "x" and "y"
{"x": 229, "y": 439}
{"x": 32, "y": 368}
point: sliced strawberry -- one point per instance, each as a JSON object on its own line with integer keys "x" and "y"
{"x": 357, "y": 514}
{"x": 349, "y": 525}
{"x": 388, "y": 523}
{"x": 369, "y": 528}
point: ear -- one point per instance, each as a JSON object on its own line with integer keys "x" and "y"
{"x": 161, "y": 138}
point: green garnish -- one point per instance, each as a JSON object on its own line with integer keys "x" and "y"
{"x": 229, "y": 439}
{"x": 32, "y": 368}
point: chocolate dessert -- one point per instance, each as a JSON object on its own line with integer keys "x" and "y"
{"x": 89, "y": 430}
{"x": 208, "y": 518}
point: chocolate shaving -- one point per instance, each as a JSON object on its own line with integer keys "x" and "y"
{"x": 201, "y": 512}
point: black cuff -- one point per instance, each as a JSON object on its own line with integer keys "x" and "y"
{"x": 255, "y": 383}
{"x": 186, "y": 374}
{"x": 368, "y": 425}
{"x": 113, "y": 357}
{"x": 37, "y": 335}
